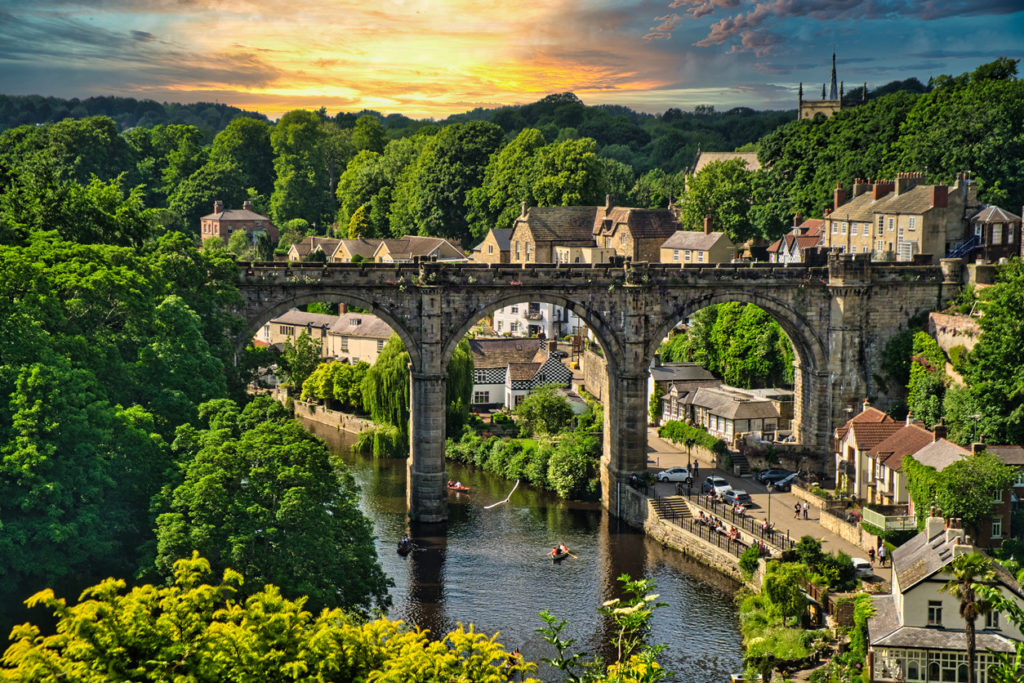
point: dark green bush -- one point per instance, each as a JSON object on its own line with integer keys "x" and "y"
{"x": 678, "y": 432}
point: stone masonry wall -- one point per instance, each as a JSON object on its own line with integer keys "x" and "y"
{"x": 852, "y": 533}
{"x": 595, "y": 374}
{"x": 953, "y": 330}
{"x": 332, "y": 418}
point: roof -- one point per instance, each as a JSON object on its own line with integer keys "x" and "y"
{"x": 884, "y": 630}
{"x": 732, "y": 404}
{"x": 523, "y": 372}
{"x": 862, "y": 207}
{"x": 498, "y": 353}
{"x": 310, "y": 243}
{"x": 304, "y": 319}
{"x": 362, "y": 246}
{"x": 906, "y": 440}
{"x": 641, "y": 223}
{"x": 235, "y": 215}
{"x": 705, "y": 158}
{"x": 561, "y": 223}
{"x": 867, "y": 414}
{"x": 916, "y": 200}
{"x": 806, "y": 241}
{"x": 693, "y": 239}
{"x": 924, "y": 556}
{"x": 867, "y": 435}
{"x": 361, "y": 325}
{"x": 503, "y": 237}
{"x": 411, "y": 246}
{"x": 671, "y": 372}
{"x": 1011, "y": 455}
{"x": 993, "y": 214}
{"x": 940, "y": 454}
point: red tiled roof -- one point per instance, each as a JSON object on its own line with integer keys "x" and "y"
{"x": 905, "y": 441}
{"x": 869, "y": 434}
{"x": 869, "y": 414}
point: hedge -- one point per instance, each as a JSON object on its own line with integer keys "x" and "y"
{"x": 678, "y": 432}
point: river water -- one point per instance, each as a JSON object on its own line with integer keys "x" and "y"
{"x": 490, "y": 570}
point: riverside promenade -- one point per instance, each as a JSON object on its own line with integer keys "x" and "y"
{"x": 663, "y": 454}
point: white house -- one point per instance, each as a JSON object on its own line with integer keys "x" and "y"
{"x": 916, "y": 634}
{"x": 529, "y": 319}
{"x": 506, "y": 370}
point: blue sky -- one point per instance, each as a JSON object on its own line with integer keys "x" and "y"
{"x": 437, "y": 57}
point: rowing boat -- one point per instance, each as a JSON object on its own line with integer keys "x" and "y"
{"x": 458, "y": 489}
{"x": 559, "y": 556}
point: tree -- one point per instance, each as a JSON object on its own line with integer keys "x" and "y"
{"x": 245, "y": 144}
{"x": 967, "y": 488}
{"x": 239, "y": 244}
{"x": 508, "y": 181}
{"x": 543, "y": 411}
{"x": 369, "y": 134}
{"x": 459, "y": 387}
{"x": 261, "y": 494}
{"x": 302, "y": 184}
{"x": 723, "y": 190}
{"x": 573, "y": 465}
{"x": 196, "y": 629}
{"x": 300, "y": 358}
{"x": 569, "y": 173}
{"x": 967, "y": 571}
{"x": 193, "y": 197}
{"x": 359, "y": 226}
{"x": 783, "y": 586}
{"x": 927, "y": 385}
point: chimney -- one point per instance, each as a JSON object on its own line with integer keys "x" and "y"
{"x": 940, "y": 196}
{"x": 218, "y": 206}
{"x": 906, "y": 181}
{"x": 838, "y": 197}
{"x": 978, "y": 447}
{"x": 860, "y": 186}
{"x": 910, "y": 417}
{"x": 342, "y": 308}
{"x": 797, "y": 219}
{"x": 955, "y": 531}
{"x": 939, "y": 432}
{"x": 707, "y": 224}
{"x": 608, "y": 202}
{"x": 657, "y": 360}
{"x": 881, "y": 188}
{"x": 247, "y": 205}
{"x": 934, "y": 524}
{"x": 522, "y": 211}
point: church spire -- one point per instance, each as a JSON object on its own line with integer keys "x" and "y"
{"x": 832, "y": 94}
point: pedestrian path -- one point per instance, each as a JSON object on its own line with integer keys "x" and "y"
{"x": 777, "y": 508}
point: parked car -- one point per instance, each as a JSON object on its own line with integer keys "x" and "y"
{"x": 733, "y": 496}
{"x": 784, "y": 484}
{"x": 772, "y": 474}
{"x": 862, "y": 568}
{"x": 675, "y": 474}
{"x": 559, "y": 354}
{"x": 717, "y": 483}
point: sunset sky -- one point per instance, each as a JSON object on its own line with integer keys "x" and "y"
{"x": 431, "y": 58}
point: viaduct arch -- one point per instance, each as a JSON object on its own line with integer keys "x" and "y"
{"x": 838, "y": 317}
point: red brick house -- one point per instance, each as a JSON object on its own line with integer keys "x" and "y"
{"x": 221, "y": 223}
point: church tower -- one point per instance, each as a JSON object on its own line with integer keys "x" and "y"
{"x": 827, "y": 105}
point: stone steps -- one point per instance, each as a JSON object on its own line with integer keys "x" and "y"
{"x": 672, "y": 507}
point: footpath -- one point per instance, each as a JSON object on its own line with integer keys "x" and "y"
{"x": 662, "y": 454}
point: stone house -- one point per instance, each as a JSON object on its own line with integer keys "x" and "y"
{"x": 996, "y": 234}
{"x": 406, "y": 249}
{"x": 885, "y": 484}
{"x": 851, "y": 443}
{"x": 222, "y": 222}
{"x": 691, "y": 246}
{"x": 636, "y": 234}
{"x": 291, "y": 325}
{"x": 916, "y": 633}
{"x": 902, "y": 218}
{"x": 685, "y": 377}
{"x": 794, "y": 245}
{"x": 536, "y": 319}
{"x": 494, "y": 248}
{"x": 506, "y": 370}
{"x": 355, "y": 337}
{"x": 309, "y": 245}
{"x": 728, "y": 412}
{"x": 539, "y": 229}
{"x": 347, "y": 249}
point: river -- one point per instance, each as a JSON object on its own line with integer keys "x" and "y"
{"x": 490, "y": 570}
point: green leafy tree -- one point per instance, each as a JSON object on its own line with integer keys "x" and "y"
{"x": 967, "y": 571}
{"x": 543, "y": 411}
{"x": 723, "y": 190}
{"x": 302, "y": 182}
{"x": 194, "y": 196}
{"x": 459, "y": 387}
{"x": 967, "y": 488}
{"x": 300, "y": 358}
{"x": 245, "y": 144}
{"x": 927, "y": 385}
{"x": 783, "y": 586}
{"x": 261, "y": 494}
{"x": 359, "y": 225}
{"x": 569, "y": 173}
{"x": 239, "y": 244}
{"x": 508, "y": 181}
{"x": 386, "y": 389}
{"x": 369, "y": 134}
{"x": 573, "y": 465}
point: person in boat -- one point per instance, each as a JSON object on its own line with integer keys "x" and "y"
{"x": 563, "y": 548}
{"x": 554, "y": 551}
{"x": 451, "y": 483}
{"x": 458, "y": 484}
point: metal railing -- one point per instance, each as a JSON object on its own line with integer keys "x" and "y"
{"x": 889, "y": 522}
{"x": 774, "y": 538}
{"x": 965, "y": 247}
{"x": 702, "y": 531}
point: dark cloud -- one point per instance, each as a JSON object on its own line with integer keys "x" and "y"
{"x": 761, "y": 43}
{"x": 143, "y": 36}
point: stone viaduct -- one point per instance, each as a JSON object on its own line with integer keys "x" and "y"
{"x": 838, "y": 317}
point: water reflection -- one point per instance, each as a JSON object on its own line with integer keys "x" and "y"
{"x": 491, "y": 569}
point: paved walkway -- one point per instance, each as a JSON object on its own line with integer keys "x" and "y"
{"x": 662, "y": 454}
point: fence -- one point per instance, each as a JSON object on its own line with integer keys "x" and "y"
{"x": 889, "y": 522}
{"x": 753, "y": 527}
{"x": 705, "y": 533}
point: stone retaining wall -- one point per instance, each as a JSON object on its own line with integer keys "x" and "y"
{"x": 953, "y": 330}
{"x": 332, "y": 418}
{"x": 803, "y": 494}
{"x": 850, "y": 532}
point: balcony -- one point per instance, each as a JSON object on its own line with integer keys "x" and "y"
{"x": 890, "y": 517}
{"x": 533, "y": 315}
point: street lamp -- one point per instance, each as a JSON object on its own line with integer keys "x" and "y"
{"x": 771, "y": 487}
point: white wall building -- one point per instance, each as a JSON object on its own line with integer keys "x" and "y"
{"x": 527, "y": 319}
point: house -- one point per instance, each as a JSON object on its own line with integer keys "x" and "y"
{"x": 901, "y": 218}
{"x": 691, "y": 246}
{"x": 506, "y": 370}
{"x": 355, "y": 337}
{"x": 292, "y": 324}
{"x": 677, "y": 402}
{"x": 996, "y": 234}
{"x": 683, "y": 376}
{"x": 916, "y": 633}
{"x": 535, "y": 319}
{"x": 538, "y": 229}
{"x": 885, "y": 483}
{"x": 728, "y": 412}
{"x": 221, "y": 223}
{"x": 361, "y": 247}
{"x": 494, "y": 248}
{"x": 853, "y": 440}
{"x": 794, "y": 245}
{"x": 313, "y": 248}
{"x": 705, "y": 158}
{"x": 410, "y": 247}
{"x": 635, "y": 234}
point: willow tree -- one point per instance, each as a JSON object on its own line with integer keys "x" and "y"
{"x": 459, "y": 389}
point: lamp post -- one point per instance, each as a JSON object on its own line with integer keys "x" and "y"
{"x": 771, "y": 487}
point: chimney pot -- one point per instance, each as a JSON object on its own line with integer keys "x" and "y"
{"x": 522, "y": 211}
{"x": 247, "y": 205}
{"x": 939, "y": 432}
{"x": 218, "y": 206}
{"x": 707, "y": 224}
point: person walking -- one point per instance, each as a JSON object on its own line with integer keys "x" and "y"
{"x": 881, "y": 554}
{"x": 805, "y": 506}
{"x": 796, "y": 511}
{"x": 871, "y": 555}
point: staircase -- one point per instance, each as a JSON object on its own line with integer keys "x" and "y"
{"x": 739, "y": 460}
{"x": 672, "y": 507}
{"x": 965, "y": 248}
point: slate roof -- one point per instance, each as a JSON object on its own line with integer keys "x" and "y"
{"x": 560, "y": 223}
{"x": 672, "y": 372}
{"x": 362, "y": 246}
{"x": 940, "y": 454}
{"x": 884, "y": 630}
{"x": 523, "y": 372}
{"x": 642, "y": 223}
{"x": 705, "y": 158}
{"x": 304, "y": 319}
{"x": 361, "y": 325}
{"x": 906, "y": 440}
{"x": 411, "y": 246}
{"x": 309, "y": 244}
{"x": 916, "y": 200}
{"x": 924, "y": 556}
{"x": 993, "y": 214}
{"x": 1011, "y": 455}
{"x": 498, "y": 353}
{"x": 235, "y": 215}
{"x": 503, "y": 236}
{"x": 861, "y": 209}
{"x": 733, "y": 405}
{"x": 869, "y": 414}
{"x": 693, "y": 239}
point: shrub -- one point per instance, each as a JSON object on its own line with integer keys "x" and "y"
{"x": 748, "y": 561}
{"x": 678, "y": 432}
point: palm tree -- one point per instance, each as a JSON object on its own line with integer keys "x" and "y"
{"x": 968, "y": 570}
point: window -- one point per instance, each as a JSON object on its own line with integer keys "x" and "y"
{"x": 514, "y": 309}
{"x": 997, "y": 497}
{"x": 686, "y": 255}
{"x": 514, "y": 327}
{"x": 490, "y": 248}
{"x": 934, "y": 613}
{"x": 481, "y": 397}
{"x": 380, "y": 345}
{"x": 881, "y": 228}
{"x": 287, "y": 330}
{"x": 879, "y": 245}
{"x": 892, "y": 224}
{"x": 842, "y": 228}
{"x": 978, "y": 230}
{"x": 622, "y": 240}
{"x": 479, "y": 376}
{"x": 853, "y": 229}
{"x": 992, "y": 620}
{"x": 1019, "y": 481}
{"x": 527, "y": 248}
{"x": 1009, "y": 233}
{"x": 498, "y": 328}
{"x": 997, "y": 233}
{"x": 517, "y": 249}
{"x": 700, "y": 257}
{"x": 835, "y": 227}
{"x": 344, "y": 344}
{"x": 675, "y": 254}
{"x": 911, "y": 222}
